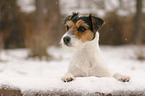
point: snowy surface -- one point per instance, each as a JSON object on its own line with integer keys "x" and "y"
{"x": 33, "y": 75}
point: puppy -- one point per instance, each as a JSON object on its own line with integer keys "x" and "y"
{"x": 82, "y": 36}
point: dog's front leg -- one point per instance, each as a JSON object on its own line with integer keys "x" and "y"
{"x": 67, "y": 77}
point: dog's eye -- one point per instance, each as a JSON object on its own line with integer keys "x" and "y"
{"x": 67, "y": 28}
{"x": 81, "y": 29}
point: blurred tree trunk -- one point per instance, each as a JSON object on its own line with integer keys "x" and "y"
{"x": 121, "y": 4}
{"x": 41, "y": 44}
{"x": 39, "y": 41}
{"x": 39, "y": 14}
{"x": 138, "y": 23}
{"x": 1, "y": 45}
{"x": 55, "y": 21}
{"x": 10, "y": 24}
{"x": 138, "y": 33}
{"x": 46, "y": 29}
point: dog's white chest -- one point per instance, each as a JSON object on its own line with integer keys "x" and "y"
{"x": 88, "y": 62}
{"x": 83, "y": 61}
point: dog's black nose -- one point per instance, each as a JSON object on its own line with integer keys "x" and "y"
{"x": 66, "y": 40}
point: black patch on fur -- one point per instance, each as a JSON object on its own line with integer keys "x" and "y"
{"x": 87, "y": 21}
{"x": 66, "y": 19}
{"x": 81, "y": 29}
{"x": 74, "y": 17}
{"x": 94, "y": 22}
{"x": 98, "y": 22}
{"x": 91, "y": 24}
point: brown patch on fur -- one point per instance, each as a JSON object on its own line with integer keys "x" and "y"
{"x": 87, "y": 35}
{"x": 70, "y": 24}
{"x": 82, "y": 23}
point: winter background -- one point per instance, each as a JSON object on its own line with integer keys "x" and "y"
{"x": 44, "y": 75}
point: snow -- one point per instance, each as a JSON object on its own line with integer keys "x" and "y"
{"x": 33, "y": 75}
{"x": 27, "y": 6}
{"x": 85, "y": 7}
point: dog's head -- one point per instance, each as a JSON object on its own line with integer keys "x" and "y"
{"x": 80, "y": 29}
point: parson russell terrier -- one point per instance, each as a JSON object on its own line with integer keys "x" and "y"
{"x": 82, "y": 36}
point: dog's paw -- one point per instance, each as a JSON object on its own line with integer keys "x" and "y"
{"x": 122, "y": 78}
{"x": 67, "y": 77}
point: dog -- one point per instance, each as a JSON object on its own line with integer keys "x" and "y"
{"x": 83, "y": 37}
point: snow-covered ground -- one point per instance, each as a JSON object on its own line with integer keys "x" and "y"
{"x": 33, "y": 75}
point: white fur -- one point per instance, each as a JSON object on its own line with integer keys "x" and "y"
{"x": 76, "y": 43}
{"x": 87, "y": 59}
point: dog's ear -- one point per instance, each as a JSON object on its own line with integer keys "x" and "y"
{"x": 74, "y": 15}
{"x": 96, "y": 23}
{"x": 67, "y": 18}
{"x": 71, "y": 17}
